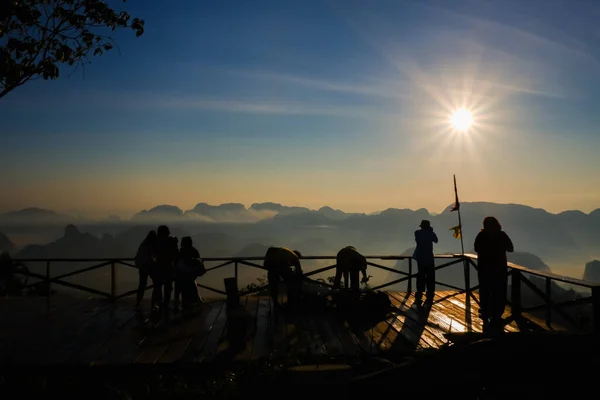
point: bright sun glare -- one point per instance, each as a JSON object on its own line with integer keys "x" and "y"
{"x": 461, "y": 120}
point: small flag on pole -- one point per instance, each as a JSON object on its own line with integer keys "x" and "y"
{"x": 456, "y": 232}
{"x": 456, "y": 205}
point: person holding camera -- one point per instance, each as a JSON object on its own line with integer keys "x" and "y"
{"x": 425, "y": 238}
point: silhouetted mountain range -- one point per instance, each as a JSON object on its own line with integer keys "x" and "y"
{"x": 226, "y": 229}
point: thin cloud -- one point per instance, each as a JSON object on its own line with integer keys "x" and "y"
{"x": 393, "y": 90}
{"x": 523, "y": 89}
{"x": 574, "y": 48}
{"x": 430, "y": 81}
{"x": 275, "y": 107}
{"x": 107, "y": 99}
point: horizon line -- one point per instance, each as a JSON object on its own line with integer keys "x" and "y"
{"x": 249, "y": 208}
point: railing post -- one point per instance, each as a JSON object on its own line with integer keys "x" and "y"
{"x": 48, "y": 291}
{"x": 596, "y": 308}
{"x": 113, "y": 281}
{"x": 467, "y": 272}
{"x": 410, "y": 269}
{"x": 548, "y": 302}
{"x": 236, "y": 270}
{"x": 515, "y": 296}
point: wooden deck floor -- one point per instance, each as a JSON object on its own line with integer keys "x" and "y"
{"x": 93, "y": 332}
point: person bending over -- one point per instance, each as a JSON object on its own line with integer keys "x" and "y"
{"x": 284, "y": 264}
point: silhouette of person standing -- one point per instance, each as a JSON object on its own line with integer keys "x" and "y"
{"x": 279, "y": 262}
{"x": 144, "y": 260}
{"x": 491, "y": 245}
{"x": 166, "y": 255}
{"x": 189, "y": 267}
{"x": 350, "y": 262}
{"x": 423, "y": 254}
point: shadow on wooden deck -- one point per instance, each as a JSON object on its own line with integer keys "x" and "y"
{"x": 93, "y": 332}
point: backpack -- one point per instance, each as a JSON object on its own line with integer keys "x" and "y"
{"x": 377, "y": 302}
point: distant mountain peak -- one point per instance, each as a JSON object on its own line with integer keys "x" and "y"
{"x": 33, "y": 211}
{"x": 5, "y": 243}
{"x": 161, "y": 211}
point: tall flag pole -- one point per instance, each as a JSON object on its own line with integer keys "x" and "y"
{"x": 457, "y": 230}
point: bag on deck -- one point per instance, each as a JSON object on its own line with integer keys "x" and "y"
{"x": 377, "y": 302}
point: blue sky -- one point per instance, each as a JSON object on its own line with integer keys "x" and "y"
{"x": 344, "y": 103}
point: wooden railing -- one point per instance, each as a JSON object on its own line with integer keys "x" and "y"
{"x": 517, "y": 278}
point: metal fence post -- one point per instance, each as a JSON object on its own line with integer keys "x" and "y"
{"x": 113, "y": 281}
{"x": 548, "y": 302}
{"x": 515, "y": 296}
{"x": 467, "y": 272}
{"x": 410, "y": 269}
{"x": 48, "y": 290}
{"x": 596, "y": 308}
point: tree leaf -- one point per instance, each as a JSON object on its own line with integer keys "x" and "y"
{"x": 33, "y": 50}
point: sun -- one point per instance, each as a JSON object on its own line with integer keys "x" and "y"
{"x": 461, "y": 120}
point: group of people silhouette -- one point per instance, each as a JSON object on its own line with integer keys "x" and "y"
{"x": 491, "y": 245}
{"x": 160, "y": 258}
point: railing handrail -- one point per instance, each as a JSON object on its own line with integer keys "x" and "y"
{"x": 468, "y": 260}
{"x": 542, "y": 274}
{"x": 237, "y": 258}
{"x": 549, "y": 275}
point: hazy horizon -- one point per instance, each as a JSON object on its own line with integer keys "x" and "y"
{"x": 125, "y": 215}
{"x": 345, "y": 104}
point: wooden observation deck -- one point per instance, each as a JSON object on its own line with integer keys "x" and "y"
{"x": 105, "y": 329}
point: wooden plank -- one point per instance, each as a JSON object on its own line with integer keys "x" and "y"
{"x": 460, "y": 301}
{"x": 281, "y": 344}
{"x": 233, "y": 337}
{"x": 411, "y": 324}
{"x": 250, "y": 334}
{"x": 316, "y": 345}
{"x": 425, "y": 316}
{"x": 440, "y": 322}
{"x": 96, "y": 343}
{"x": 23, "y": 320}
{"x": 262, "y": 339}
{"x": 333, "y": 345}
{"x": 342, "y": 332}
{"x": 456, "y": 305}
{"x": 296, "y": 336}
{"x": 210, "y": 347}
{"x": 160, "y": 339}
{"x": 123, "y": 344}
{"x": 122, "y": 324}
{"x": 190, "y": 327}
{"x": 384, "y": 336}
{"x": 205, "y": 326}
{"x": 365, "y": 341}
{"x": 410, "y": 331}
{"x": 83, "y": 335}
{"x": 50, "y": 337}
